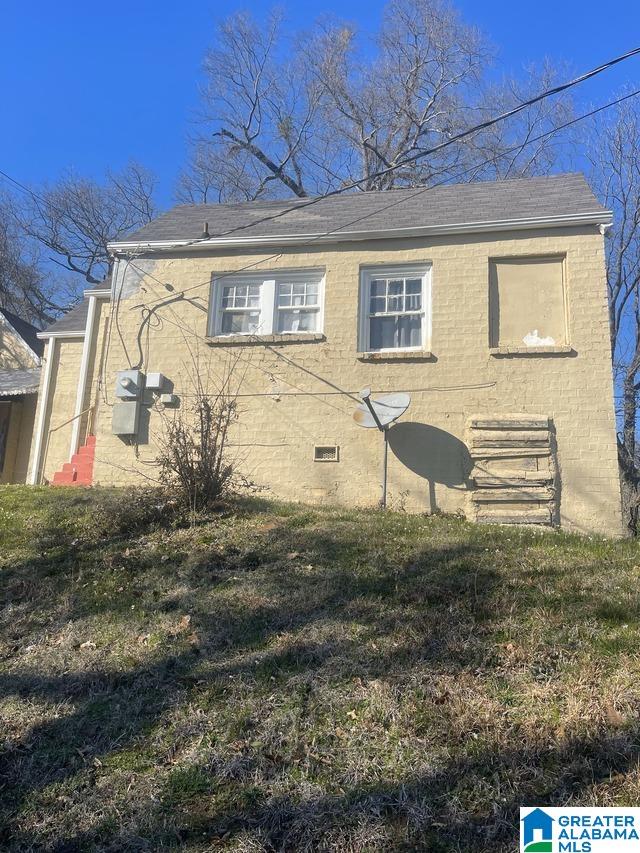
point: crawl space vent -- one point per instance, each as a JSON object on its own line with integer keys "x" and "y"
{"x": 325, "y": 453}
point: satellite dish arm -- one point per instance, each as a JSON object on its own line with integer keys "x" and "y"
{"x": 374, "y": 415}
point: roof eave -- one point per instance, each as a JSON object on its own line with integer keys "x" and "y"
{"x": 103, "y": 293}
{"x": 599, "y": 217}
{"x": 66, "y": 334}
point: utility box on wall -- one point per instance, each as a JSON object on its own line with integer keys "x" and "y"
{"x": 129, "y": 385}
{"x": 155, "y": 382}
{"x": 124, "y": 419}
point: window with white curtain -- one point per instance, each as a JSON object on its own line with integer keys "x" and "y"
{"x": 281, "y": 303}
{"x": 394, "y": 309}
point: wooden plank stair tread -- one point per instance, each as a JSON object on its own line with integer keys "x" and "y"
{"x": 508, "y": 452}
{"x": 515, "y": 422}
{"x": 512, "y": 495}
{"x": 511, "y": 479}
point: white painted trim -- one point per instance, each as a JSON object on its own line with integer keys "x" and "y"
{"x": 367, "y": 274}
{"x": 46, "y": 335}
{"x": 34, "y": 474}
{"x": 268, "y": 280}
{"x": 82, "y": 379}
{"x": 595, "y": 218}
{"x": 99, "y": 294}
{"x": 33, "y": 353}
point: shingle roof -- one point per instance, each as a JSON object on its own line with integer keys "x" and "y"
{"x": 27, "y": 331}
{"x": 448, "y": 205}
{"x": 75, "y": 320}
{"x": 16, "y": 382}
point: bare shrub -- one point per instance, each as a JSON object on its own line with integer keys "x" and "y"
{"x": 194, "y": 460}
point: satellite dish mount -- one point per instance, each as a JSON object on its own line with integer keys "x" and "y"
{"x": 381, "y": 413}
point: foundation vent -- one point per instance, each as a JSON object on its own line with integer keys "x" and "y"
{"x": 326, "y": 453}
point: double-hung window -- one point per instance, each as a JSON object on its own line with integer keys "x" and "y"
{"x": 394, "y": 309}
{"x": 281, "y": 303}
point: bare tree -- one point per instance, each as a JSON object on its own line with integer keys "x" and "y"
{"x": 300, "y": 114}
{"x": 616, "y": 173}
{"x": 24, "y": 287}
{"x": 76, "y": 218}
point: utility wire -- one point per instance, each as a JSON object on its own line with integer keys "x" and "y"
{"x": 256, "y": 338}
{"x": 397, "y": 201}
{"x": 301, "y": 205}
{"x": 555, "y": 90}
{"x": 385, "y": 207}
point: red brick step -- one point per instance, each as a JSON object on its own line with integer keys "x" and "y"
{"x": 79, "y": 471}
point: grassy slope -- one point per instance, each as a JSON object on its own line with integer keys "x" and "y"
{"x": 291, "y": 678}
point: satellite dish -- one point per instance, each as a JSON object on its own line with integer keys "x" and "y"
{"x": 379, "y": 413}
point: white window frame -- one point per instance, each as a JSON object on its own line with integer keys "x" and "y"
{"x": 268, "y": 282}
{"x": 367, "y": 275}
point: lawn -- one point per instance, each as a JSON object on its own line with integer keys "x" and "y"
{"x": 280, "y": 677}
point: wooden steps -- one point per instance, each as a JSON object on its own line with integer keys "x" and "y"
{"x": 514, "y": 470}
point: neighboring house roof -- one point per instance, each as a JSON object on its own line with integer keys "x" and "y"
{"x": 480, "y": 206}
{"x": 75, "y": 321}
{"x": 14, "y": 383}
{"x": 26, "y": 331}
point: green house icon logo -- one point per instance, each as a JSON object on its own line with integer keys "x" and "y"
{"x": 537, "y": 832}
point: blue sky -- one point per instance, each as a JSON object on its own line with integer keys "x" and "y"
{"x": 91, "y": 86}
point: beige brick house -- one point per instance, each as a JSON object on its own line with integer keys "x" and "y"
{"x": 485, "y": 302}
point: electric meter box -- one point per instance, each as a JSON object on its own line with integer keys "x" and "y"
{"x": 124, "y": 419}
{"x": 129, "y": 384}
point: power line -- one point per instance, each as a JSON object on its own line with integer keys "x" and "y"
{"x": 385, "y": 207}
{"x": 555, "y": 90}
{"x": 453, "y": 139}
{"x": 422, "y": 190}
{"x": 419, "y": 192}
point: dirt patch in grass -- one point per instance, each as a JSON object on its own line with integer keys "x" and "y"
{"x": 283, "y": 677}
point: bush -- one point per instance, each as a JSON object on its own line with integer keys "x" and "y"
{"x": 193, "y": 460}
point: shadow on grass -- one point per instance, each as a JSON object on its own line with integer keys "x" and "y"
{"x": 433, "y": 610}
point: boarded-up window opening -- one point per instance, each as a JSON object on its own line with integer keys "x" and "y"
{"x": 527, "y": 302}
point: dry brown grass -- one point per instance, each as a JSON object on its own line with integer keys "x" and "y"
{"x": 288, "y": 678}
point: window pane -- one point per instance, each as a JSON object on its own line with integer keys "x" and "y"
{"x": 377, "y": 304}
{"x": 297, "y": 321}
{"x": 413, "y": 302}
{"x": 395, "y": 332}
{"x": 382, "y": 333}
{"x": 409, "y": 331}
{"x": 395, "y": 303}
{"x": 312, "y": 294}
{"x": 240, "y": 322}
{"x": 378, "y": 287}
{"x": 395, "y": 287}
{"x": 413, "y": 285}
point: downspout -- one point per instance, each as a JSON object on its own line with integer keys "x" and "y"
{"x": 34, "y": 474}
{"x": 82, "y": 379}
